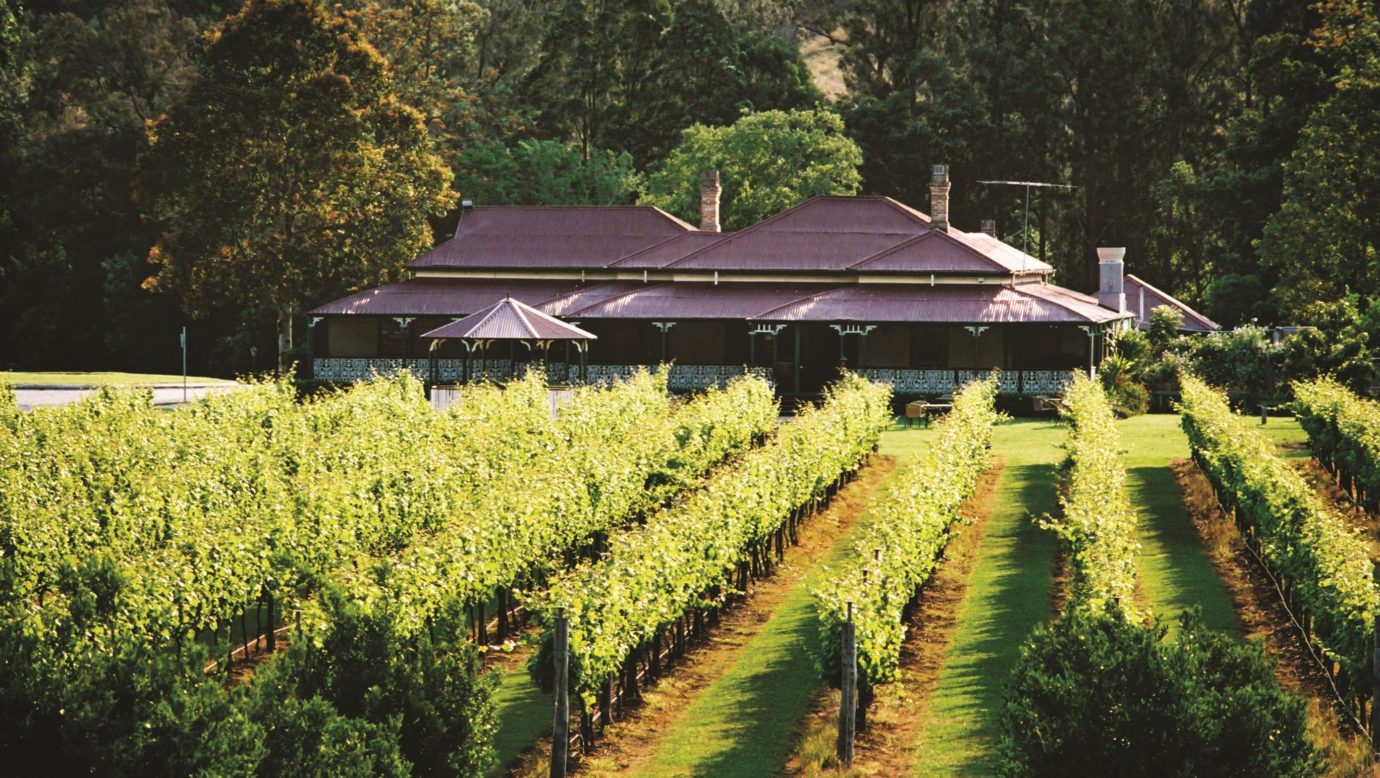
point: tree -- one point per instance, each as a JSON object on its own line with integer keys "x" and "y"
{"x": 545, "y": 172}
{"x": 596, "y": 55}
{"x": 768, "y": 162}
{"x": 1324, "y": 241}
{"x": 1095, "y": 690}
{"x": 75, "y": 92}
{"x": 290, "y": 171}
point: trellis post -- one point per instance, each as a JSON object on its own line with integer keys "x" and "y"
{"x": 560, "y": 730}
{"x": 848, "y": 702}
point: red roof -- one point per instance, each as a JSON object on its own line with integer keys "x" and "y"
{"x": 820, "y": 234}
{"x": 691, "y": 301}
{"x": 442, "y": 296}
{"x": 670, "y": 250}
{"x": 509, "y": 319}
{"x": 542, "y": 237}
{"x": 968, "y": 303}
{"x": 1142, "y": 299}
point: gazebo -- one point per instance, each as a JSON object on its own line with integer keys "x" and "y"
{"x": 514, "y": 322}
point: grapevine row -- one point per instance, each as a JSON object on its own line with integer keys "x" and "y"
{"x": 1096, "y": 524}
{"x": 1344, "y": 434}
{"x": 265, "y": 494}
{"x": 615, "y": 464}
{"x": 684, "y": 558}
{"x": 1323, "y": 565}
{"x": 914, "y": 521}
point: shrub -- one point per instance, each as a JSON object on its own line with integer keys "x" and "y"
{"x": 1094, "y": 691}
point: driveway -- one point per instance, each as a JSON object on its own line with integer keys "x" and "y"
{"x": 164, "y": 395}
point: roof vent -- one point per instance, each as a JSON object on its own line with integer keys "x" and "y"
{"x": 939, "y": 198}
{"x": 709, "y": 200}
{"x": 989, "y": 227}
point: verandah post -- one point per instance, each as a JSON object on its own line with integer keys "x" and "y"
{"x": 848, "y": 703}
{"x": 560, "y": 729}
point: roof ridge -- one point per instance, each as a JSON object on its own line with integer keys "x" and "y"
{"x": 1055, "y": 302}
{"x": 796, "y": 301}
{"x": 518, "y": 305}
{"x": 734, "y": 236}
{"x": 1171, "y": 298}
{"x": 925, "y": 236}
{"x": 681, "y": 236}
{"x": 625, "y": 293}
{"x": 906, "y": 209}
{"x": 493, "y": 309}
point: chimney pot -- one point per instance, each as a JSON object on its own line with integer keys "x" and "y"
{"x": 1111, "y": 291}
{"x": 939, "y": 198}
{"x": 989, "y": 227}
{"x": 710, "y": 191}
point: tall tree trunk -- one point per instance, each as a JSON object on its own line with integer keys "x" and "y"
{"x": 284, "y": 336}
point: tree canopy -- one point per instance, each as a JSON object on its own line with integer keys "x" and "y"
{"x": 1225, "y": 144}
{"x": 289, "y": 168}
{"x": 767, "y": 162}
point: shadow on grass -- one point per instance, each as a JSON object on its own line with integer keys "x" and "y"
{"x": 1008, "y": 596}
{"x": 1176, "y": 574}
{"x": 523, "y": 713}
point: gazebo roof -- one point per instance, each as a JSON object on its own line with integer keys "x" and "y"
{"x": 509, "y": 319}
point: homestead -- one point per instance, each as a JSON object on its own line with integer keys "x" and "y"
{"x": 863, "y": 283}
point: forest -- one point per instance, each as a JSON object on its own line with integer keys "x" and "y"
{"x": 1231, "y": 145}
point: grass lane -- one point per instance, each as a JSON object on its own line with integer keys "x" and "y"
{"x": 1008, "y": 595}
{"x": 524, "y": 713}
{"x": 1175, "y": 573}
{"x": 744, "y": 722}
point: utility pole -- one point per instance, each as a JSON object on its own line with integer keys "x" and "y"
{"x": 183, "y": 340}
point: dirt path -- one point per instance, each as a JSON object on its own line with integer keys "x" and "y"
{"x": 666, "y": 728}
{"x": 1331, "y": 493}
{"x": 1008, "y": 593}
{"x": 1264, "y": 618}
{"x": 897, "y": 715}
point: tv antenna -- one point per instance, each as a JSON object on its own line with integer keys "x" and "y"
{"x": 1025, "y": 228}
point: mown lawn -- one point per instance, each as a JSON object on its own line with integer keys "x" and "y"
{"x": 745, "y": 722}
{"x": 524, "y": 714}
{"x": 1008, "y": 595}
{"x": 1175, "y": 574}
{"x": 101, "y": 379}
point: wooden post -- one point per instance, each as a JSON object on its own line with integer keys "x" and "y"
{"x": 560, "y": 730}
{"x": 848, "y": 704}
{"x": 272, "y": 622}
{"x": 1375, "y": 682}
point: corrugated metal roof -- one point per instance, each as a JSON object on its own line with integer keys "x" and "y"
{"x": 692, "y": 301}
{"x": 976, "y": 303}
{"x": 443, "y": 296}
{"x": 671, "y": 249}
{"x": 820, "y": 234}
{"x": 535, "y": 237}
{"x": 1076, "y": 302}
{"x": 1004, "y": 254}
{"x": 1155, "y": 298}
{"x": 509, "y": 319}
{"x": 931, "y": 252}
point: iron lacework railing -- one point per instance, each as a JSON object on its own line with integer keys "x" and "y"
{"x": 685, "y": 377}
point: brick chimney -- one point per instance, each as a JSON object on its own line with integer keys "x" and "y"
{"x": 939, "y": 198}
{"x": 709, "y": 200}
{"x": 989, "y": 227}
{"x": 1110, "y": 269}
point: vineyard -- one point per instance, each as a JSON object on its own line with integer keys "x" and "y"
{"x": 259, "y": 583}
